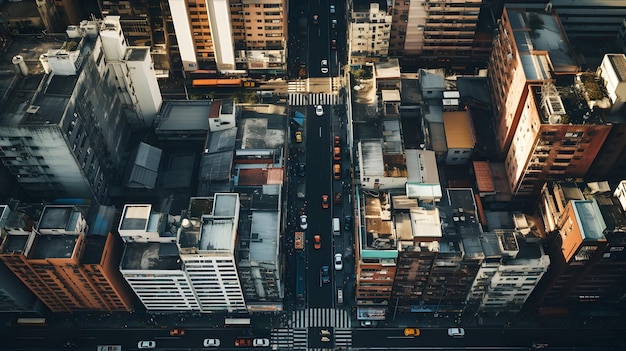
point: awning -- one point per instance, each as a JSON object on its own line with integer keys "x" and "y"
{"x": 299, "y": 118}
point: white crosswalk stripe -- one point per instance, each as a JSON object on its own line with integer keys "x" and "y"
{"x": 297, "y": 99}
{"x": 282, "y": 338}
{"x": 296, "y": 86}
{"x": 300, "y": 339}
{"x": 343, "y": 338}
{"x": 321, "y": 317}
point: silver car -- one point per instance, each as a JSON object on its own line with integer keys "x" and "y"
{"x": 303, "y": 223}
{"x": 319, "y": 110}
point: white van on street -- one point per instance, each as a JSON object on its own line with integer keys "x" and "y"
{"x": 336, "y": 226}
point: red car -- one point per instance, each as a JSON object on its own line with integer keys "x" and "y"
{"x": 325, "y": 203}
{"x": 317, "y": 242}
{"x": 243, "y": 342}
{"x": 337, "y": 141}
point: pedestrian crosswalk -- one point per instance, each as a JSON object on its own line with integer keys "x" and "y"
{"x": 321, "y": 317}
{"x": 297, "y": 339}
{"x": 297, "y": 99}
{"x": 298, "y": 86}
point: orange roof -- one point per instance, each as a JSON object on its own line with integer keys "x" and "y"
{"x": 458, "y": 131}
{"x": 484, "y": 180}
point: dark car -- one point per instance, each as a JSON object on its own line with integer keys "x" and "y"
{"x": 301, "y": 169}
{"x": 325, "y": 202}
{"x": 316, "y": 19}
{"x": 333, "y": 23}
{"x": 325, "y": 272}
{"x": 347, "y": 223}
{"x": 333, "y": 44}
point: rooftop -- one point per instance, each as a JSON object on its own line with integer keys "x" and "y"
{"x": 184, "y": 115}
{"x": 151, "y": 256}
{"x": 53, "y": 246}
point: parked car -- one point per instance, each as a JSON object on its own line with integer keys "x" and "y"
{"x": 337, "y": 141}
{"x": 319, "y": 110}
{"x": 332, "y": 9}
{"x": 411, "y": 332}
{"x": 298, "y": 137}
{"x": 177, "y": 332}
{"x": 211, "y": 343}
{"x": 261, "y": 343}
{"x": 347, "y": 223}
{"x": 456, "y": 332}
{"x": 333, "y": 44}
{"x": 317, "y": 242}
{"x": 338, "y": 262}
{"x": 146, "y": 344}
{"x": 325, "y": 202}
{"x": 241, "y": 342}
{"x": 301, "y": 169}
{"x": 333, "y": 23}
{"x": 325, "y": 272}
{"x": 303, "y": 223}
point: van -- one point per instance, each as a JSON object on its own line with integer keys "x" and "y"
{"x": 339, "y": 296}
{"x": 336, "y": 226}
{"x": 337, "y": 171}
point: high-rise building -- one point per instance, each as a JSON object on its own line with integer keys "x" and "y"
{"x": 586, "y": 247}
{"x": 184, "y": 263}
{"x": 546, "y": 127}
{"x": 63, "y": 267}
{"x": 434, "y": 33}
{"x": 70, "y": 137}
{"x": 369, "y": 33}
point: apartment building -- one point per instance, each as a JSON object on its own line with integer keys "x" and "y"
{"x": 67, "y": 267}
{"x": 545, "y": 124}
{"x": 586, "y": 247}
{"x": 70, "y": 138}
{"x": 599, "y": 19}
{"x": 369, "y": 30}
{"x": 513, "y": 266}
{"x": 14, "y": 295}
{"x": 460, "y": 138}
{"x": 434, "y": 33}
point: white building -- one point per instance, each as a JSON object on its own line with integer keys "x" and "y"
{"x": 369, "y": 34}
{"x": 207, "y": 248}
{"x": 509, "y": 273}
{"x": 187, "y": 265}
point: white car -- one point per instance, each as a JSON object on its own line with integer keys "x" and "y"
{"x": 303, "y": 223}
{"x": 338, "y": 262}
{"x": 146, "y": 344}
{"x": 456, "y": 332}
{"x": 211, "y": 343}
{"x": 261, "y": 343}
{"x": 319, "y": 110}
{"x": 324, "y": 66}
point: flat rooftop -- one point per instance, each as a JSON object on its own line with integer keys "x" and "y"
{"x": 64, "y": 217}
{"x": 151, "y": 256}
{"x": 53, "y": 246}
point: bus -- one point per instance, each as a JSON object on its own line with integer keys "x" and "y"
{"x": 41, "y": 322}
{"x": 236, "y": 322}
{"x": 216, "y": 83}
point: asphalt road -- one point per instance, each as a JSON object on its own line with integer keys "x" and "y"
{"x": 54, "y": 339}
{"x": 318, "y": 183}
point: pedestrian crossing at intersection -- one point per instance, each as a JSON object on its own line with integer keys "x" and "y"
{"x": 296, "y": 99}
{"x": 321, "y": 317}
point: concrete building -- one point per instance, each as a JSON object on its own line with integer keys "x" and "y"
{"x": 545, "y": 124}
{"x": 460, "y": 138}
{"x": 207, "y": 241}
{"x": 585, "y": 246}
{"x": 14, "y": 295}
{"x": 66, "y": 121}
{"x": 600, "y": 19}
{"x": 434, "y": 33}
{"x": 369, "y": 30}
{"x": 513, "y": 266}
{"x": 61, "y": 264}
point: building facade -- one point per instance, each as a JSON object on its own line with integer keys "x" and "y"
{"x": 369, "y": 34}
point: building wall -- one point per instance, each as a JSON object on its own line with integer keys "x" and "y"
{"x": 369, "y": 34}
{"x": 173, "y": 292}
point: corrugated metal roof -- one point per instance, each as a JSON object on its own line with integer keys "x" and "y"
{"x": 145, "y": 167}
{"x": 458, "y": 132}
{"x": 484, "y": 179}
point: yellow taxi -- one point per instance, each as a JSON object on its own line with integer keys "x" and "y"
{"x": 298, "y": 137}
{"x": 411, "y": 332}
